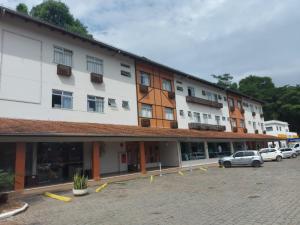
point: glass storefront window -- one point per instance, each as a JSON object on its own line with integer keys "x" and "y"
{"x": 217, "y": 150}
{"x": 192, "y": 151}
{"x": 50, "y": 163}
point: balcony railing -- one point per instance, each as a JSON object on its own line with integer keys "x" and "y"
{"x": 202, "y": 101}
{"x": 203, "y": 126}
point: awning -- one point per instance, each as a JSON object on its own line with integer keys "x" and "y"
{"x": 21, "y": 128}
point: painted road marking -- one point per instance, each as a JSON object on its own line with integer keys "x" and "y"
{"x": 58, "y": 197}
{"x": 180, "y": 173}
{"x": 203, "y": 169}
{"x": 101, "y": 187}
{"x": 151, "y": 179}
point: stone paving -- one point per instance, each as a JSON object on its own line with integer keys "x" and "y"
{"x": 247, "y": 196}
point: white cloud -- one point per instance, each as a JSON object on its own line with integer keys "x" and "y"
{"x": 201, "y": 36}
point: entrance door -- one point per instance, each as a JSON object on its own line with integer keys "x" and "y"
{"x": 123, "y": 167}
{"x": 132, "y": 150}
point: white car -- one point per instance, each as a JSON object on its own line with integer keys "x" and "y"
{"x": 270, "y": 154}
{"x": 295, "y": 146}
{"x": 288, "y": 153}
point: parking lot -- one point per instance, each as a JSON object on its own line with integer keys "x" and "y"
{"x": 266, "y": 195}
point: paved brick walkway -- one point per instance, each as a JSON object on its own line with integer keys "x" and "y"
{"x": 247, "y": 196}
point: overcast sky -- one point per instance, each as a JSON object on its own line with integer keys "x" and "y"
{"x": 201, "y": 37}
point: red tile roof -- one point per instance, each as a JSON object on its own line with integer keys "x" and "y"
{"x": 20, "y": 127}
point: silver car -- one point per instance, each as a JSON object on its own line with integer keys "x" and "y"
{"x": 288, "y": 153}
{"x": 242, "y": 158}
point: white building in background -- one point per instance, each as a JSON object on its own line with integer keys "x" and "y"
{"x": 279, "y": 129}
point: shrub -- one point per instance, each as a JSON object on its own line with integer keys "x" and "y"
{"x": 80, "y": 181}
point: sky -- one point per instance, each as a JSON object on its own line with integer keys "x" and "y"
{"x": 200, "y": 37}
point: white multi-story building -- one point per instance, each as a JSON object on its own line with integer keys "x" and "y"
{"x": 71, "y": 103}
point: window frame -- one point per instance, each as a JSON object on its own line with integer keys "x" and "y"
{"x": 96, "y": 99}
{"x": 169, "y": 113}
{"x": 62, "y": 95}
{"x": 149, "y": 110}
{"x": 63, "y": 52}
{"x": 166, "y": 81}
{"x": 145, "y": 74}
{"x": 93, "y": 59}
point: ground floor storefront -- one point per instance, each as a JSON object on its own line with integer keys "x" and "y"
{"x": 44, "y": 153}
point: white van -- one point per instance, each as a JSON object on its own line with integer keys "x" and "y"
{"x": 295, "y": 146}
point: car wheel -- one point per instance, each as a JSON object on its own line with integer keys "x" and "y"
{"x": 256, "y": 164}
{"x": 278, "y": 158}
{"x": 294, "y": 155}
{"x": 227, "y": 164}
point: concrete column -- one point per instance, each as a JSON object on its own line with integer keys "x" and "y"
{"x": 245, "y": 146}
{"x": 179, "y": 154}
{"x": 231, "y": 147}
{"x": 34, "y": 159}
{"x": 20, "y": 166}
{"x": 96, "y": 161}
{"x": 206, "y": 150}
{"x": 142, "y": 157}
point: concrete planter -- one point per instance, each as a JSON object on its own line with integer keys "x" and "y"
{"x": 80, "y": 192}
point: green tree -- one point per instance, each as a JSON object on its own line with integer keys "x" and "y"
{"x": 225, "y": 81}
{"x": 22, "y": 8}
{"x": 58, "y": 13}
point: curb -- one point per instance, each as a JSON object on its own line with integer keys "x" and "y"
{"x": 13, "y": 212}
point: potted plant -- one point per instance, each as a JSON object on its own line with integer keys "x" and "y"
{"x": 80, "y": 183}
{"x": 6, "y": 183}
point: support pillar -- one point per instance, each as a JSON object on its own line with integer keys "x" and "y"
{"x": 142, "y": 157}
{"x": 96, "y": 161}
{"x": 231, "y": 147}
{"x": 206, "y": 150}
{"x": 20, "y": 166}
{"x": 245, "y": 146}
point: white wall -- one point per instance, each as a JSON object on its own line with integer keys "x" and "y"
{"x": 28, "y": 75}
{"x": 257, "y": 108}
{"x": 109, "y": 158}
{"x": 181, "y": 103}
{"x": 169, "y": 153}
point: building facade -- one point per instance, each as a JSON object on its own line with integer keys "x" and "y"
{"x": 70, "y": 104}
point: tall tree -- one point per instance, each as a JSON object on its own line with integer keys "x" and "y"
{"x": 22, "y": 8}
{"x": 58, "y": 13}
{"x": 225, "y": 80}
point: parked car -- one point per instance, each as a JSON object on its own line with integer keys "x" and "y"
{"x": 295, "y": 146}
{"x": 270, "y": 154}
{"x": 242, "y": 158}
{"x": 288, "y": 153}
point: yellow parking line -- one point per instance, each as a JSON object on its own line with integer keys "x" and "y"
{"x": 101, "y": 187}
{"x": 151, "y": 179}
{"x": 203, "y": 169}
{"x": 57, "y": 197}
{"x": 180, "y": 173}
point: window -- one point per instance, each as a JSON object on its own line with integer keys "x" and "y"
{"x": 239, "y": 154}
{"x": 181, "y": 112}
{"x": 231, "y": 102}
{"x": 254, "y": 125}
{"x": 242, "y": 123}
{"x": 166, "y": 85}
{"x": 249, "y": 122}
{"x": 191, "y": 91}
{"x": 251, "y": 108}
{"x": 178, "y": 82}
{"x": 145, "y": 79}
{"x": 197, "y": 118}
{"x": 169, "y": 115}
{"x": 269, "y": 128}
{"x": 179, "y": 88}
{"x": 233, "y": 122}
{"x": 62, "y": 99}
{"x": 223, "y": 118}
{"x": 63, "y": 56}
{"x": 205, "y": 118}
{"x": 203, "y": 93}
{"x": 94, "y": 65}
{"x": 280, "y": 128}
{"x": 218, "y": 120}
{"x": 209, "y": 96}
{"x": 112, "y": 102}
{"x": 95, "y": 104}
{"x": 125, "y": 104}
{"x": 239, "y": 104}
{"x": 248, "y": 153}
{"x": 189, "y": 113}
{"x": 125, "y": 70}
{"x": 209, "y": 116}
{"x": 225, "y": 99}
{"x": 215, "y": 97}
{"x": 146, "y": 111}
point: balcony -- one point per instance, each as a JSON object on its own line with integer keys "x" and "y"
{"x": 143, "y": 88}
{"x": 256, "y": 131}
{"x": 174, "y": 125}
{"x": 171, "y": 95}
{"x": 253, "y": 113}
{"x": 234, "y": 129}
{"x": 205, "y": 102}
{"x": 145, "y": 123}
{"x": 203, "y": 126}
